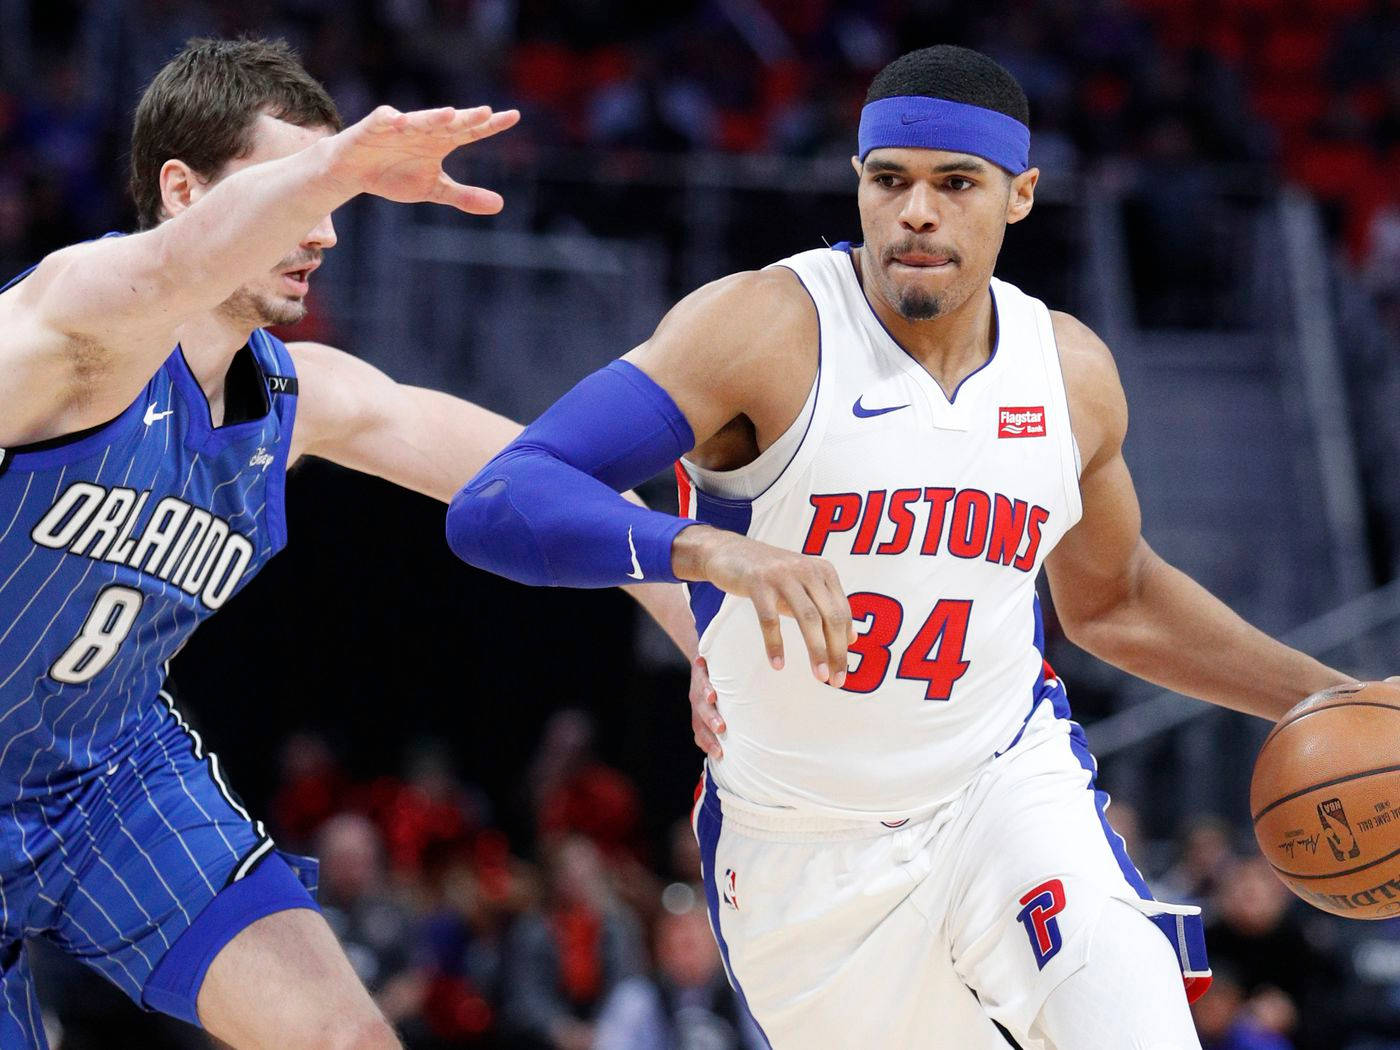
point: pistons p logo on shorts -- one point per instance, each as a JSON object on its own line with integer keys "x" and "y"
{"x": 1038, "y": 910}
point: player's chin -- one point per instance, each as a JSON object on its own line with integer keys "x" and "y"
{"x": 284, "y": 310}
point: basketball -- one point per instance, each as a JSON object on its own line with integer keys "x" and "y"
{"x": 1325, "y": 799}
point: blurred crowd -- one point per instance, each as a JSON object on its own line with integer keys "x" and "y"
{"x": 1311, "y": 86}
{"x": 1159, "y": 92}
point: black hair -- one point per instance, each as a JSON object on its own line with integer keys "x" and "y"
{"x": 957, "y": 74}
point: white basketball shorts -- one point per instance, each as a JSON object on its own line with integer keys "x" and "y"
{"x": 853, "y": 934}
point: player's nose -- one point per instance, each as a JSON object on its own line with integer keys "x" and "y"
{"x": 920, "y": 211}
{"x": 322, "y": 235}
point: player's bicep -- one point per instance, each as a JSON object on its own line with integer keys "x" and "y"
{"x": 720, "y": 350}
{"x": 110, "y": 290}
{"x": 355, "y": 415}
{"x": 341, "y": 401}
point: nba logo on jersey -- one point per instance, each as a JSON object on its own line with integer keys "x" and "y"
{"x": 1038, "y": 910}
{"x": 731, "y": 892}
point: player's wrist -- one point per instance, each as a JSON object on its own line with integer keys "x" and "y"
{"x": 694, "y": 548}
{"x": 332, "y": 171}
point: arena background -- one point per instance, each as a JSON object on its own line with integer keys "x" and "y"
{"x": 495, "y": 775}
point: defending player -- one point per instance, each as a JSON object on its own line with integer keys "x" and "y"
{"x": 885, "y": 437}
{"x": 141, "y": 487}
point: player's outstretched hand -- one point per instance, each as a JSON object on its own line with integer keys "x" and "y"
{"x": 705, "y": 720}
{"x": 779, "y": 583}
{"x": 399, "y": 156}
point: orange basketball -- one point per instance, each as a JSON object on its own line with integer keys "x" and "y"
{"x": 1326, "y": 800}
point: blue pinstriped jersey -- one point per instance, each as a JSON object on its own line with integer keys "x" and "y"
{"x": 114, "y": 545}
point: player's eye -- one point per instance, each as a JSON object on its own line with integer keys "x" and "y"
{"x": 957, "y": 183}
{"x": 889, "y": 182}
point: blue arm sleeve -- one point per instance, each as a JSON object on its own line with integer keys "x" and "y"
{"x": 547, "y": 511}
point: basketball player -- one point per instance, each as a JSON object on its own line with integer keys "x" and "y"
{"x": 149, "y": 422}
{"x": 880, "y": 446}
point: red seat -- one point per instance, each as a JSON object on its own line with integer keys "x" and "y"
{"x": 1336, "y": 171}
{"x": 1335, "y": 8}
{"x": 1288, "y": 107}
{"x": 545, "y": 73}
{"x": 1292, "y": 51}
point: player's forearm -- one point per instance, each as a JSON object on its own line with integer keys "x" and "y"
{"x": 119, "y": 287}
{"x": 1172, "y": 631}
{"x": 248, "y": 222}
{"x": 547, "y": 510}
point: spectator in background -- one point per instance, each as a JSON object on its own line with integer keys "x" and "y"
{"x": 562, "y": 962}
{"x": 430, "y": 808}
{"x": 311, "y": 788}
{"x": 1224, "y": 1023}
{"x": 461, "y": 937}
{"x": 1289, "y": 984}
{"x": 1206, "y": 853}
{"x": 573, "y": 792}
{"x": 376, "y": 932}
{"x": 687, "y": 1002}
{"x": 685, "y": 851}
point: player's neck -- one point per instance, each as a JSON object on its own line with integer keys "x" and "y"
{"x": 951, "y": 346}
{"x": 210, "y": 343}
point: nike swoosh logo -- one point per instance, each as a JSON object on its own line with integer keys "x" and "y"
{"x": 905, "y": 118}
{"x": 636, "y": 572}
{"x": 861, "y": 412}
{"x": 152, "y": 415}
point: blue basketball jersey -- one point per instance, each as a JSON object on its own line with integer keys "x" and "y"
{"x": 115, "y": 544}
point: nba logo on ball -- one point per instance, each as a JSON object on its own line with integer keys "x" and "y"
{"x": 1337, "y": 829}
{"x": 731, "y": 891}
{"x": 1038, "y": 910}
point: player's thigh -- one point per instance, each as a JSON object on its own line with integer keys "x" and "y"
{"x": 824, "y": 946}
{"x": 284, "y": 983}
{"x": 1127, "y": 995}
{"x": 1035, "y": 867}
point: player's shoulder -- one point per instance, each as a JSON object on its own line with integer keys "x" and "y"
{"x": 753, "y": 299}
{"x": 1098, "y": 408}
{"x": 763, "y": 314}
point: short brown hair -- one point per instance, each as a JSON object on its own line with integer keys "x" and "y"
{"x": 202, "y": 105}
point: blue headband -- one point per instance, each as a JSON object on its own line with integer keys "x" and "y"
{"x": 918, "y": 122}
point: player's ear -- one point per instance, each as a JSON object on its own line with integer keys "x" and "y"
{"x": 180, "y": 187}
{"x": 855, "y": 163}
{"x": 1022, "y": 197}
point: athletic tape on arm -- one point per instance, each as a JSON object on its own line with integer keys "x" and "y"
{"x": 547, "y": 511}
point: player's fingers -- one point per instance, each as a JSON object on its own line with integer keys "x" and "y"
{"x": 471, "y": 199}
{"x": 494, "y": 124}
{"x": 703, "y": 698}
{"x": 427, "y": 121}
{"x": 836, "y": 621}
{"x": 707, "y": 743}
{"x": 804, "y": 610}
{"x": 705, "y": 738}
{"x": 766, "y": 606}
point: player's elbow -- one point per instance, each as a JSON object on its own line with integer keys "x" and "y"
{"x": 485, "y": 529}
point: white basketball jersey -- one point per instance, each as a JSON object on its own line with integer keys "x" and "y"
{"x": 937, "y": 513}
